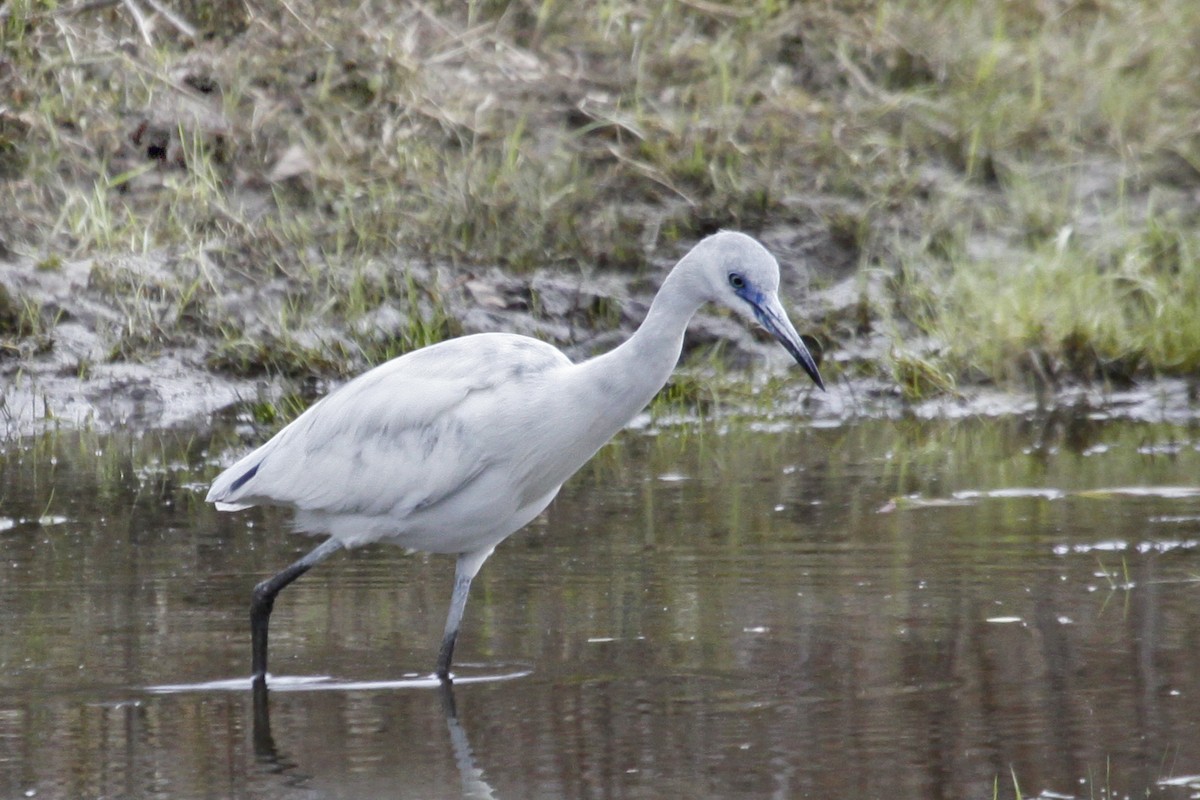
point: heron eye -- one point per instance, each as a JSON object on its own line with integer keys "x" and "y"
{"x": 737, "y": 281}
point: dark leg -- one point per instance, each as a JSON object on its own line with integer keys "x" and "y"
{"x": 263, "y": 600}
{"x": 458, "y": 603}
{"x": 464, "y": 571}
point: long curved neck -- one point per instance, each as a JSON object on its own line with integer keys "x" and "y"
{"x": 629, "y": 376}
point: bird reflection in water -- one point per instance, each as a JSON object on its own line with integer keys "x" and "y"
{"x": 474, "y": 787}
{"x": 276, "y": 762}
{"x": 265, "y": 750}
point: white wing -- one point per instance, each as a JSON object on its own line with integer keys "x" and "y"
{"x": 395, "y": 439}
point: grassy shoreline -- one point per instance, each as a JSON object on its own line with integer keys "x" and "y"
{"x": 1013, "y": 185}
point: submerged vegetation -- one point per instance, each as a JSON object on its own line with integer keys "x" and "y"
{"x": 1008, "y": 187}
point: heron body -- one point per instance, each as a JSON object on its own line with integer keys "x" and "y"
{"x": 454, "y": 447}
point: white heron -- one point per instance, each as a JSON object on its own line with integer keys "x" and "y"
{"x": 454, "y": 447}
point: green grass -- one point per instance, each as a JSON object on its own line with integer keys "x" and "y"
{"x": 26, "y": 328}
{"x": 1069, "y": 309}
{"x": 1061, "y": 252}
{"x": 1024, "y": 172}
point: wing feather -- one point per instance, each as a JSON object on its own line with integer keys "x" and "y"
{"x": 400, "y": 437}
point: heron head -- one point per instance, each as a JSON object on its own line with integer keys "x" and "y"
{"x": 740, "y": 273}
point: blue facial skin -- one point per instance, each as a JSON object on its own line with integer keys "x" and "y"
{"x": 795, "y": 347}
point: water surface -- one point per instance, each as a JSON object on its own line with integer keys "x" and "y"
{"x": 969, "y": 609}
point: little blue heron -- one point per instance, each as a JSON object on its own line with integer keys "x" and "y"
{"x": 454, "y": 447}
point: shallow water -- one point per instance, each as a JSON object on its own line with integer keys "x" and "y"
{"x": 969, "y": 609}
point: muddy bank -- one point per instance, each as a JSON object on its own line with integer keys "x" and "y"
{"x": 72, "y": 370}
{"x": 85, "y": 361}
